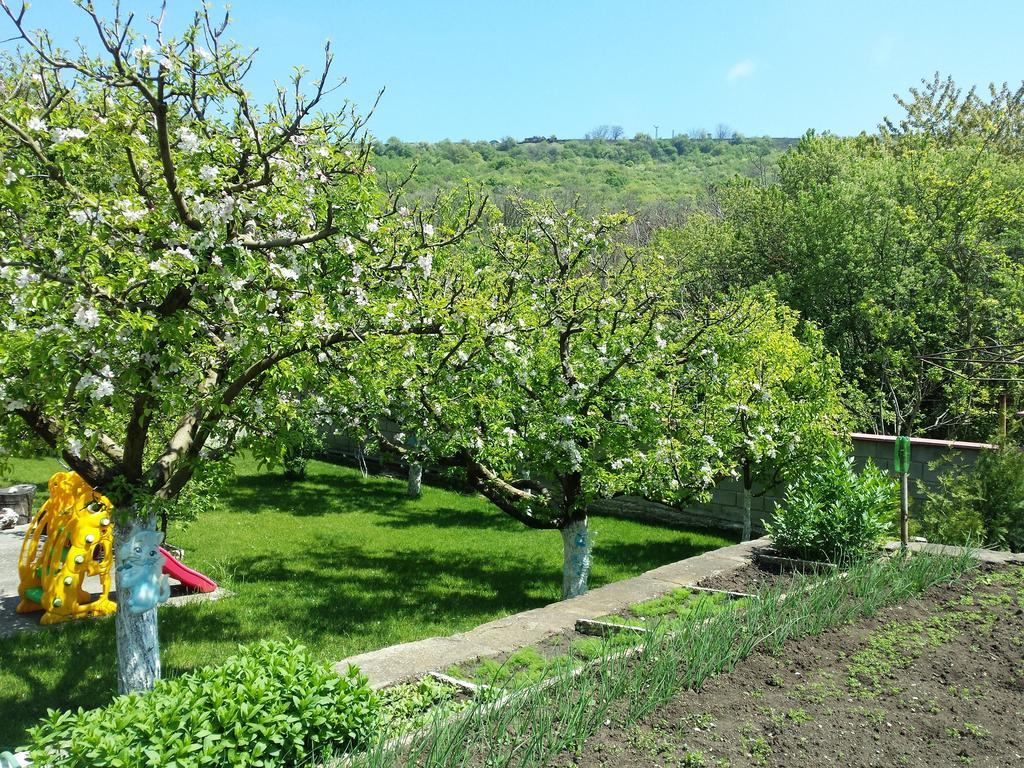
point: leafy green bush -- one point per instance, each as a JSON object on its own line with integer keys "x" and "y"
{"x": 270, "y": 705}
{"x": 832, "y": 512}
{"x": 981, "y": 503}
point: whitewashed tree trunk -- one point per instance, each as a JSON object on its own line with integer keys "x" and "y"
{"x": 576, "y": 553}
{"x": 138, "y": 643}
{"x": 415, "y": 487}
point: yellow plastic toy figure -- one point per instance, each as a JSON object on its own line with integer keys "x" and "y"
{"x": 77, "y": 522}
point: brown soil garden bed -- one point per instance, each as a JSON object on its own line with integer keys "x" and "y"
{"x": 746, "y": 580}
{"x": 933, "y": 681}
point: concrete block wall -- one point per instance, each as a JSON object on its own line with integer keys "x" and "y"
{"x": 725, "y": 507}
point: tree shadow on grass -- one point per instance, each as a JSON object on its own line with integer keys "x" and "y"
{"x": 651, "y": 553}
{"x": 321, "y": 495}
{"x": 314, "y": 496}
{"x": 347, "y": 590}
{"x": 79, "y": 670}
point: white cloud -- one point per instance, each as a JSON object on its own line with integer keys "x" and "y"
{"x": 740, "y": 69}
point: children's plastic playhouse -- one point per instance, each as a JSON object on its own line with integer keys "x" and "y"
{"x": 71, "y": 538}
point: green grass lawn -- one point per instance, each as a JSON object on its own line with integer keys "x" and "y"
{"x": 339, "y": 562}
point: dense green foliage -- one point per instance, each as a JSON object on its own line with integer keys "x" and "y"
{"x": 773, "y": 400}
{"x": 897, "y": 245}
{"x": 603, "y": 174}
{"x": 268, "y": 706}
{"x": 981, "y": 503}
{"x": 832, "y": 512}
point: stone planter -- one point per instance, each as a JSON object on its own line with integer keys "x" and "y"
{"x": 771, "y": 560}
{"x": 19, "y": 498}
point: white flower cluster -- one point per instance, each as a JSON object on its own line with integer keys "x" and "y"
{"x": 99, "y": 386}
{"x": 86, "y": 315}
{"x": 188, "y": 142}
{"x": 60, "y": 135}
{"x": 426, "y": 263}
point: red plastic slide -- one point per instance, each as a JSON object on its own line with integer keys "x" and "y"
{"x": 189, "y": 578}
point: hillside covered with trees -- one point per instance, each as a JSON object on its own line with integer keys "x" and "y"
{"x": 600, "y": 172}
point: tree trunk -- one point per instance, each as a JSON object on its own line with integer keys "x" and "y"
{"x": 747, "y": 488}
{"x": 415, "y": 480}
{"x": 576, "y": 550}
{"x": 138, "y": 644}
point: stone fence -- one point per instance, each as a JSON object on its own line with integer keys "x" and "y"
{"x": 725, "y": 508}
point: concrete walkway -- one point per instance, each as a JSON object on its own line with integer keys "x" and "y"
{"x": 408, "y": 661}
{"x": 993, "y": 556}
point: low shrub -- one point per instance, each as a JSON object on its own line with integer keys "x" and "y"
{"x": 270, "y": 705}
{"x": 832, "y": 512}
{"x": 979, "y": 503}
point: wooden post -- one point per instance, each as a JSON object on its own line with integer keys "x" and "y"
{"x": 901, "y": 465}
{"x": 905, "y": 511}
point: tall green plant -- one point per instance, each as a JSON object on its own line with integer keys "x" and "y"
{"x": 980, "y": 503}
{"x": 831, "y": 512}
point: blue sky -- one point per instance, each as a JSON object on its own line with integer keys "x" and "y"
{"x": 484, "y": 70}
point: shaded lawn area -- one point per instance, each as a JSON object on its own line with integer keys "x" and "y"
{"x": 339, "y": 562}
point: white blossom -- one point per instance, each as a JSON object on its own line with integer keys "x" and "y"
{"x": 283, "y": 272}
{"x": 426, "y": 262}
{"x": 86, "y": 316}
{"x": 24, "y": 278}
{"x": 187, "y": 141}
{"x": 61, "y": 135}
{"x": 36, "y": 124}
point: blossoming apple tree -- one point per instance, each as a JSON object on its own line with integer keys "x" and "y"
{"x": 547, "y": 391}
{"x": 175, "y": 258}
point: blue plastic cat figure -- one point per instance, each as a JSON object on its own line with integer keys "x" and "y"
{"x": 140, "y": 570}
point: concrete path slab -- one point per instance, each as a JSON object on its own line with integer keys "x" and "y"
{"x": 10, "y": 548}
{"x": 993, "y": 556}
{"x": 408, "y": 661}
